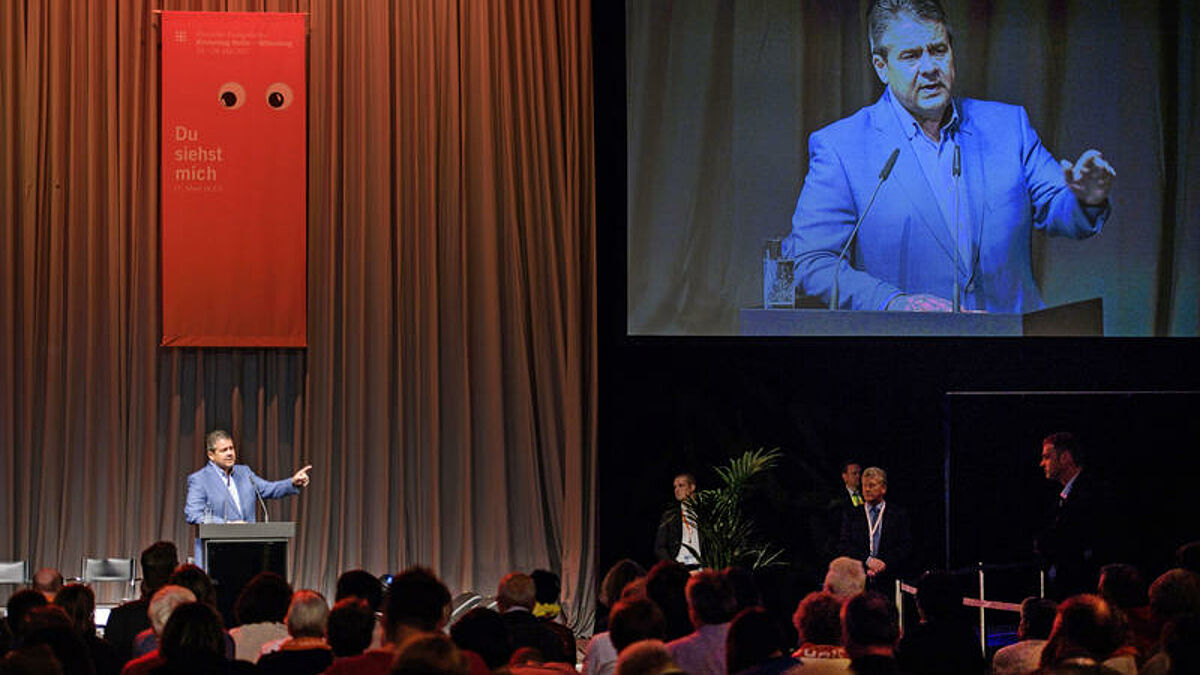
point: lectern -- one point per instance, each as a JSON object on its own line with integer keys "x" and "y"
{"x": 233, "y": 553}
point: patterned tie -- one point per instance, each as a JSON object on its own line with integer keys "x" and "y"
{"x": 856, "y": 499}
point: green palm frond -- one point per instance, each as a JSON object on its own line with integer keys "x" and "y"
{"x": 727, "y": 535}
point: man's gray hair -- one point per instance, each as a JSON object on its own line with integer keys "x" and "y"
{"x": 875, "y": 472}
{"x": 883, "y": 12}
{"x": 213, "y": 437}
{"x": 307, "y": 614}
{"x": 164, "y": 602}
{"x": 845, "y": 578}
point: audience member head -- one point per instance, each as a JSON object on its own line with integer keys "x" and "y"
{"x": 48, "y": 625}
{"x": 745, "y": 588}
{"x": 193, "y": 635}
{"x": 1085, "y": 626}
{"x": 870, "y": 625}
{"x": 360, "y": 584}
{"x": 265, "y": 599}
{"x": 1037, "y": 618}
{"x": 665, "y": 585}
{"x": 818, "y": 619}
{"x": 618, "y": 576}
{"x": 1175, "y": 593}
{"x": 307, "y": 614}
{"x": 634, "y": 589}
{"x": 939, "y": 597}
{"x": 516, "y": 590}
{"x": 547, "y": 586}
{"x": 635, "y": 620}
{"x": 48, "y": 581}
{"x": 78, "y": 601}
{"x": 845, "y": 578}
{"x": 158, "y": 561}
{"x": 19, "y": 604}
{"x": 350, "y": 626}
{"x": 482, "y": 631}
{"x": 31, "y": 660}
{"x": 430, "y": 654}
{"x": 710, "y": 600}
{"x": 1122, "y": 586}
{"x": 648, "y": 657}
{"x": 197, "y": 581}
{"x": 416, "y": 599}
{"x": 1188, "y": 557}
{"x": 163, "y": 603}
{"x": 754, "y": 637}
{"x": 1181, "y": 641}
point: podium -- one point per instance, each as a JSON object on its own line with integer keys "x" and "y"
{"x": 233, "y": 553}
{"x": 1079, "y": 319}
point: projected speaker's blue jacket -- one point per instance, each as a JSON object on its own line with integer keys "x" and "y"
{"x": 1013, "y": 186}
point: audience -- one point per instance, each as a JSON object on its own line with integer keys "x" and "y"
{"x": 126, "y": 621}
{"x": 666, "y": 585}
{"x": 305, "y": 652}
{"x": 515, "y": 599}
{"x": 259, "y": 610}
{"x": 755, "y": 645}
{"x": 818, "y": 622}
{"x": 845, "y": 578}
{"x": 1125, "y": 628}
{"x": 870, "y": 629}
{"x": 430, "y": 654}
{"x": 79, "y": 604}
{"x": 48, "y": 581}
{"x": 1173, "y": 595}
{"x": 1024, "y": 656}
{"x": 194, "y": 643}
{"x": 614, "y": 583}
{"x": 482, "y": 631}
{"x": 350, "y": 627}
{"x": 1086, "y": 633}
{"x": 943, "y": 643}
{"x": 162, "y": 604}
{"x": 710, "y": 607}
{"x": 648, "y": 657}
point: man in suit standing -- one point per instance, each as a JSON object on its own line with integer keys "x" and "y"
{"x": 1072, "y": 544}
{"x": 224, "y": 491}
{"x": 675, "y": 528}
{"x": 878, "y": 533}
{"x": 970, "y": 184}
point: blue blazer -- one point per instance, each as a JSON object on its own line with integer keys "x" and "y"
{"x": 1012, "y": 186}
{"x": 206, "y": 489}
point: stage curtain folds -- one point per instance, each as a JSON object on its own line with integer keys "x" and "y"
{"x": 447, "y": 399}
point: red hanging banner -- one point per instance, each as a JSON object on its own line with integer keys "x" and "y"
{"x": 233, "y": 179}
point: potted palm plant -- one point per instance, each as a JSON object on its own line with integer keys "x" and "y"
{"x": 728, "y": 536}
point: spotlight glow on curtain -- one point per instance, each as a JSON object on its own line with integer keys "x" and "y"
{"x": 233, "y": 179}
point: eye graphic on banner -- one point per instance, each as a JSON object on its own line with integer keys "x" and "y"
{"x": 234, "y": 212}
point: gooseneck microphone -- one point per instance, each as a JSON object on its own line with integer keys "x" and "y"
{"x": 957, "y": 304}
{"x": 837, "y": 266}
{"x": 266, "y": 516}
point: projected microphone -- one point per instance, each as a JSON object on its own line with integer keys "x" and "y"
{"x": 837, "y": 266}
{"x": 956, "y": 305}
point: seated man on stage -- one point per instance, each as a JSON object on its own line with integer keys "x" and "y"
{"x": 227, "y": 492}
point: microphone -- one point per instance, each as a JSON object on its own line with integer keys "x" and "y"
{"x": 258, "y": 495}
{"x": 956, "y": 305}
{"x": 837, "y": 266}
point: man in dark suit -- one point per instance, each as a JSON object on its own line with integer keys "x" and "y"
{"x": 675, "y": 528}
{"x": 878, "y": 533}
{"x": 1072, "y": 544}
